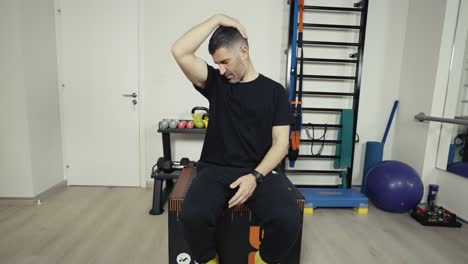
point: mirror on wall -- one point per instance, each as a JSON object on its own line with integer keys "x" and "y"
{"x": 458, "y": 152}
{"x": 453, "y": 143}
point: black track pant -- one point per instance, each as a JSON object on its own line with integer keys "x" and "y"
{"x": 272, "y": 203}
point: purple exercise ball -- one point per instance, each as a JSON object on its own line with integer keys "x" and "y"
{"x": 394, "y": 186}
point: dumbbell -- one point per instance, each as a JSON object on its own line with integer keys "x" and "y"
{"x": 189, "y": 124}
{"x": 185, "y": 124}
{"x": 164, "y": 124}
{"x": 169, "y": 166}
{"x": 173, "y": 123}
{"x": 184, "y": 163}
{"x": 182, "y": 124}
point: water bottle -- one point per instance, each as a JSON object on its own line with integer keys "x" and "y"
{"x": 431, "y": 197}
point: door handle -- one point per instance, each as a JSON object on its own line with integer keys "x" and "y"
{"x": 134, "y": 95}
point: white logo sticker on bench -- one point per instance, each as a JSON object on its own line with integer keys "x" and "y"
{"x": 183, "y": 258}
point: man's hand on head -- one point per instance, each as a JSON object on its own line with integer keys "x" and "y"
{"x": 228, "y": 21}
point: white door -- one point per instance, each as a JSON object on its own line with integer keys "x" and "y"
{"x": 99, "y": 42}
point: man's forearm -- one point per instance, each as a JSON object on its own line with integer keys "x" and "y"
{"x": 273, "y": 157}
{"x": 192, "y": 40}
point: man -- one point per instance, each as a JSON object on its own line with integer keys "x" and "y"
{"x": 246, "y": 139}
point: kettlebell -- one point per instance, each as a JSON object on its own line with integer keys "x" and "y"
{"x": 205, "y": 119}
{"x": 198, "y": 119}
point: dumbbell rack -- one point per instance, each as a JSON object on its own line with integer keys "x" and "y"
{"x": 160, "y": 194}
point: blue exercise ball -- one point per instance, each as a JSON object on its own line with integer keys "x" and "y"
{"x": 394, "y": 186}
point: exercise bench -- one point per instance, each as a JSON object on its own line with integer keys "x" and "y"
{"x": 238, "y": 234}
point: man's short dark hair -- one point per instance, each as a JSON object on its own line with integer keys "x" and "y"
{"x": 225, "y": 37}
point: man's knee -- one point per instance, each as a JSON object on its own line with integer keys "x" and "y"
{"x": 196, "y": 217}
{"x": 288, "y": 221}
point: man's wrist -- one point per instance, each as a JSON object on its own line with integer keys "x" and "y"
{"x": 258, "y": 176}
{"x": 216, "y": 19}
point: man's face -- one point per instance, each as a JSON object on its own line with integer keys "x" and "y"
{"x": 231, "y": 62}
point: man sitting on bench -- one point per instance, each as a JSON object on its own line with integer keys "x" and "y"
{"x": 246, "y": 139}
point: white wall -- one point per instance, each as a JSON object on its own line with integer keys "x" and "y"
{"x": 452, "y": 192}
{"x": 419, "y": 67}
{"x": 31, "y": 155}
{"x": 42, "y": 93}
{"x": 15, "y": 159}
{"x": 383, "y": 56}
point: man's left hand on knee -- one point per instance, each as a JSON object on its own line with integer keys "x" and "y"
{"x": 247, "y": 185}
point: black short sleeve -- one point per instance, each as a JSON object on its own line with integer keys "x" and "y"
{"x": 207, "y": 90}
{"x": 283, "y": 115}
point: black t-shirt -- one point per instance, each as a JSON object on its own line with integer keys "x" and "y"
{"x": 241, "y": 118}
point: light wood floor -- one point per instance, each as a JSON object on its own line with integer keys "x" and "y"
{"x": 112, "y": 225}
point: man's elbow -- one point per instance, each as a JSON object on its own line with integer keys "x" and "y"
{"x": 175, "y": 50}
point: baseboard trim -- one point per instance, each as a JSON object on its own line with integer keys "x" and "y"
{"x": 16, "y": 201}
{"x": 36, "y": 199}
{"x": 51, "y": 191}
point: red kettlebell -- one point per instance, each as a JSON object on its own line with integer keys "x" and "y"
{"x": 189, "y": 124}
{"x": 182, "y": 124}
